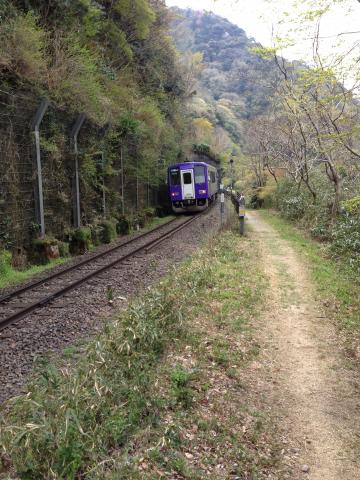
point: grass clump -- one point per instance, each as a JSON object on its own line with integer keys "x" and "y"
{"x": 22, "y": 45}
{"x": 80, "y": 240}
{"x": 77, "y": 413}
{"x": 180, "y": 381}
{"x": 123, "y": 226}
{"x": 10, "y": 276}
{"x": 108, "y": 231}
{"x": 345, "y": 241}
{"x": 5, "y": 263}
{"x": 44, "y": 249}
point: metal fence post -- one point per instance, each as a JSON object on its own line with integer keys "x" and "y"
{"x": 74, "y": 135}
{"x": 104, "y": 132}
{"x": 35, "y": 125}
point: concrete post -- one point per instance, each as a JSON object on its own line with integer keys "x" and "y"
{"x": 241, "y": 204}
{"x": 103, "y": 183}
{"x": 122, "y": 180}
{"x": 74, "y": 136}
{"x": 40, "y": 196}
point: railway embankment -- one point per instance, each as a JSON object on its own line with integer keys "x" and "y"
{"x": 11, "y": 277}
{"x": 161, "y": 392}
{"x": 233, "y": 366}
{"x": 81, "y": 311}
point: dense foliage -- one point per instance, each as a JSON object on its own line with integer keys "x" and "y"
{"x": 305, "y": 151}
{"x": 112, "y": 60}
{"x": 232, "y": 85}
{"x": 232, "y": 72}
{"x": 290, "y": 127}
{"x": 94, "y": 57}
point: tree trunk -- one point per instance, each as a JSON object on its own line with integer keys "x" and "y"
{"x": 311, "y": 190}
{"x": 335, "y": 179}
{"x": 337, "y": 197}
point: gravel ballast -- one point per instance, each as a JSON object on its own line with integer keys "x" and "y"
{"x": 82, "y": 312}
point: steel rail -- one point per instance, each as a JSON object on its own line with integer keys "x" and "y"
{"x": 59, "y": 293}
{"x": 30, "y": 286}
{"x": 168, "y": 235}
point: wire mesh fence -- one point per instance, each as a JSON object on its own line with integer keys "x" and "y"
{"x": 19, "y": 189}
{"x": 17, "y": 179}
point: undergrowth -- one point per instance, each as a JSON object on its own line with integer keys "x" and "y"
{"x": 75, "y": 414}
{"x": 210, "y": 424}
{"x": 134, "y": 402}
{"x": 10, "y": 276}
{"x": 342, "y": 236}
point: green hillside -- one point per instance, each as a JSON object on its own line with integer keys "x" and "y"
{"x": 114, "y": 63}
{"x": 233, "y": 75}
{"x": 290, "y": 128}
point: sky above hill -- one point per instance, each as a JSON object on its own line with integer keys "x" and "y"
{"x": 259, "y": 18}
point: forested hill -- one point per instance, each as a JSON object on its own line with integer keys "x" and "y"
{"x": 232, "y": 71}
{"x": 289, "y": 131}
{"x": 112, "y": 62}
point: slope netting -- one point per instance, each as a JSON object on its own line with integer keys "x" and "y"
{"x": 99, "y": 194}
{"x": 17, "y": 207}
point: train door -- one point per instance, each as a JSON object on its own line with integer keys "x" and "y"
{"x": 187, "y": 183}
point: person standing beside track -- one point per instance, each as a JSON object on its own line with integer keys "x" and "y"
{"x": 240, "y": 199}
{"x": 240, "y": 208}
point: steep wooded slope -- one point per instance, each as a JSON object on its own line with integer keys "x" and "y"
{"x": 112, "y": 61}
{"x": 232, "y": 73}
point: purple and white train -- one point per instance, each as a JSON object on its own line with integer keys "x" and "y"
{"x": 192, "y": 186}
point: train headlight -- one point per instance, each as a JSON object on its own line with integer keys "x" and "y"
{"x": 202, "y": 192}
{"x": 174, "y": 194}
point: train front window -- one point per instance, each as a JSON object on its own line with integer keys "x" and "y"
{"x": 199, "y": 172}
{"x": 187, "y": 178}
{"x": 175, "y": 176}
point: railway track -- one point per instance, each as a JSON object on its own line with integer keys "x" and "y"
{"x": 18, "y": 303}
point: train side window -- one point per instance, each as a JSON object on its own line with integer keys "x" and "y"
{"x": 199, "y": 173}
{"x": 175, "y": 176}
{"x": 187, "y": 178}
{"x": 213, "y": 177}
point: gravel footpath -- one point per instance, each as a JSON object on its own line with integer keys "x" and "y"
{"x": 82, "y": 311}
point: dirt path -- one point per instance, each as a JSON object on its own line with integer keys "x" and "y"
{"x": 312, "y": 394}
